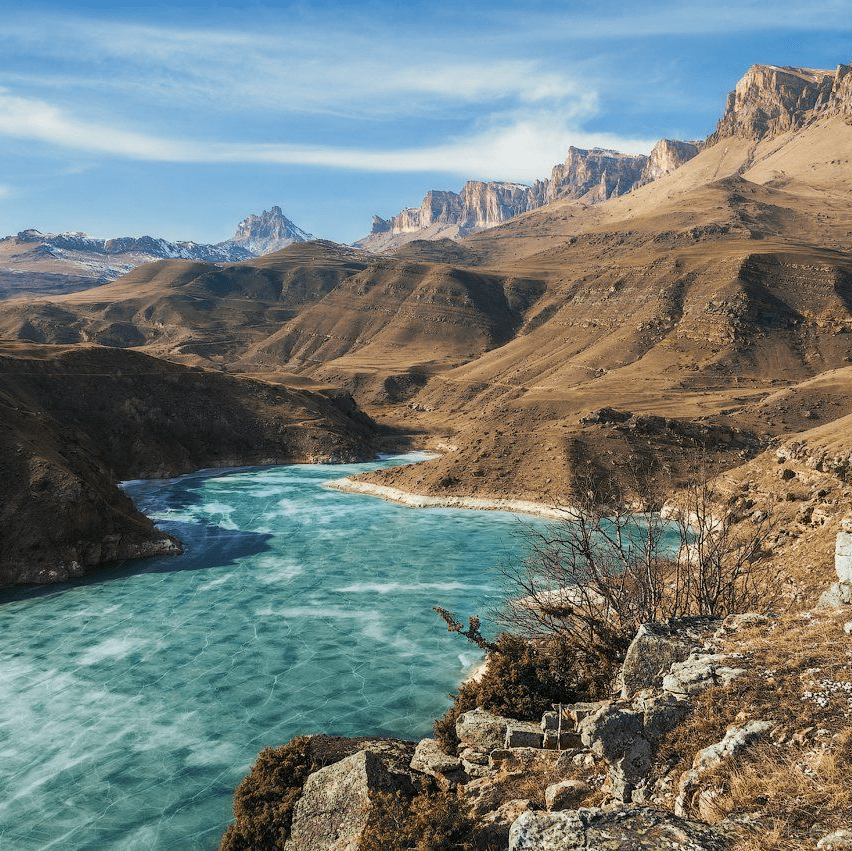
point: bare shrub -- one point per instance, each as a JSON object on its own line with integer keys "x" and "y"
{"x": 616, "y": 561}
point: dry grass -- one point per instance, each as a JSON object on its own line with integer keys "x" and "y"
{"x": 787, "y": 792}
{"x": 801, "y": 792}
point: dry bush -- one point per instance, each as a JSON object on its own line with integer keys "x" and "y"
{"x": 615, "y": 562}
{"x": 521, "y": 680}
{"x": 438, "y": 822}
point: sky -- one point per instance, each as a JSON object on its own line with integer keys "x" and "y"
{"x": 178, "y": 120}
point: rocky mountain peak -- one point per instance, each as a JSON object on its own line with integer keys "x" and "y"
{"x": 666, "y": 156}
{"x": 268, "y": 232}
{"x": 770, "y": 99}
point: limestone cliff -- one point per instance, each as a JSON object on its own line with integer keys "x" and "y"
{"x": 594, "y": 175}
{"x": 769, "y": 100}
{"x": 589, "y": 175}
{"x": 666, "y": 156}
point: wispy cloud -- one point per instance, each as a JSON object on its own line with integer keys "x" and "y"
{"x": 522, "y": 146}
{"x": 310, "y": 69}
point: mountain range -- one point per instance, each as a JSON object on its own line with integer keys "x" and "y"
{"x": 707, "y": 312}
{"x": 591, "y": 176}
{"x": 31, "y": 261}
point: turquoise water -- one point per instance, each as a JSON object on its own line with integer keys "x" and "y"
{"x": 133, "y": 702}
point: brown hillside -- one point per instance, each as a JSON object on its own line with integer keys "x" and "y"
{"x": 76, "y": 419}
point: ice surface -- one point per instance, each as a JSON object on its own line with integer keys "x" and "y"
{"x": 135, "y": 700}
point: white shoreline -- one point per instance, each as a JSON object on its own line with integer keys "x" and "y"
{"x": 416, "y": 500}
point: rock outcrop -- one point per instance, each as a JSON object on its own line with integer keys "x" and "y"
{"x": 769, "y": 100}
{"x": 590, "y": 176}
{"x": 666, "y": 156}
{"x": 268, "y": 232}
{"x": 594, "y": 175}
{"x": 336, "y": 800}
{"x": 65, "y": 441}
{"x": 637, "y": 828}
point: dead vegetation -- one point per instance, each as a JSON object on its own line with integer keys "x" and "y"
{"x": 793, "y": 788}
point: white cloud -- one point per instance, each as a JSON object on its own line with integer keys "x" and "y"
{"x": 6, "y": 191}
{"x": 522, "y": 146}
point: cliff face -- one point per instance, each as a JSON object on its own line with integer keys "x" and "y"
{"x": 594, "y": 175}
{"x": 74, "y": 419}
{"x": 770, "y": 100}
{"x": 591, "y": 175}
{"x": 666, "y": 156}
{"x": 268, "y": 232}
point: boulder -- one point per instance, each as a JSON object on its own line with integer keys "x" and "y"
{"x": 636, "y": 828}
{"x": 839, "y": 839}
{"x": 699, "y": 672}
{"x": 661, "y": 713}
{"x": 430, "y": 759}
{"x": 522, "y": 734}
{"x": 336, "y": 800}
{"x": 840, "y": 594}
{"x": 650, "y": 655}
{"x": 736, "y": 739}
{"x": 494, "y": 826}
{"x": 562, "y": 736}
{"x": 625, "y": 736}
{"x": 617, "y": 734}
{"x": 482, "y": 730}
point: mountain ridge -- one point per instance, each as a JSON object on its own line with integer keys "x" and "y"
{"x": 36, "y": 262}
{"x": 589, "y": 176}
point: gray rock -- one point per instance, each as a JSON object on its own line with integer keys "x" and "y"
{"x": 843, "y": 556}
{"x": 835, "y": 596}
{"x": 475, "y": 769}
{"x": 565, "y": 795}
{"x": 481, "y": 729}
{"x": 635, "y": 828}
{"x": 661, "y": 713}
{"x": 566, "y": 740}
{"x": 520, "y": 734}
{"x": 494, "y": 826}
{"x": 650, "y": 655}
{"x": 617, "y": 735}
{"x": 430, "y": 759}
{"x": 578, "y": 711}
{"x": 474, "y": 755}
{"x": 336, "y": 800}
{"x": 839, "y": 839}
{"x": 699, "y": 672}
{"x": 840, "y": 594}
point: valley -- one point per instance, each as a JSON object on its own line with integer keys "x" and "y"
{"x": 650, "y": 320}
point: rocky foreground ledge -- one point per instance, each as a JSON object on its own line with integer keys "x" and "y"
{"x": 588, "y": 776}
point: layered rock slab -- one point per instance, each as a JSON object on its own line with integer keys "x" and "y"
{"x": 637, "y": 829}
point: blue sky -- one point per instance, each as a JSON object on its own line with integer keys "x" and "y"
{"x": 178, "y": 120}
